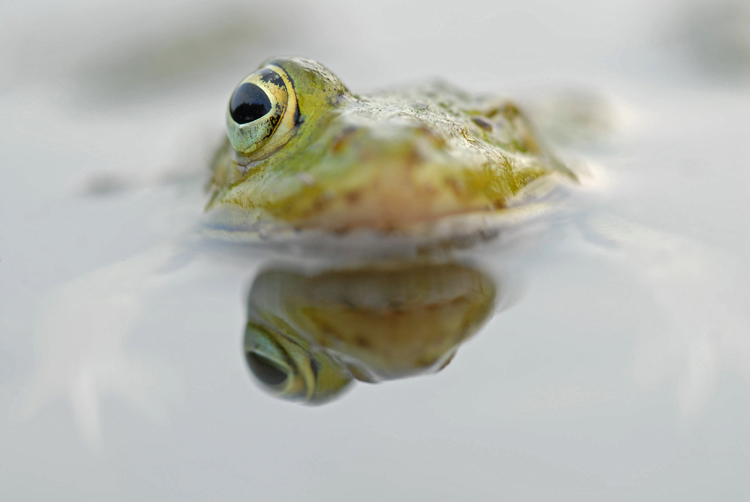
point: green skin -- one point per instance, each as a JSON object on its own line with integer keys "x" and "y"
{"x": 390, "y": 162}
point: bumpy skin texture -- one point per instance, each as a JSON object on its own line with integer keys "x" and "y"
{"x": 385, "y": 162}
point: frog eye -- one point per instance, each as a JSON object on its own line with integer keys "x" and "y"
{"x": 249, "y": 103}
{"x": 268, "y": 371}
{"x": 290, "y": 371}
{"x": 262, "y": 113}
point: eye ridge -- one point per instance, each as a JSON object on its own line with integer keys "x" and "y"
{"x": 249, "y": 103}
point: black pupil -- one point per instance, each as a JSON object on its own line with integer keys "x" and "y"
{"x": 249, "y": 103}
{"x": 265, "y": 370}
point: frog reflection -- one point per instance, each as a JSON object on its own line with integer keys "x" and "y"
{"x": 309, "y": 335}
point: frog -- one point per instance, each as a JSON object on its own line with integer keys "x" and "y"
{"x": 304, "y": 154}
{"x": 311, "y": 333}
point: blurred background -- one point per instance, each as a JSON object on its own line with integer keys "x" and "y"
{"x": 621, "y": 373}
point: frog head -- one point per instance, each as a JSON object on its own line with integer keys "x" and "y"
{"x": 305, "y": 153}
{"x": 264, "y": 114}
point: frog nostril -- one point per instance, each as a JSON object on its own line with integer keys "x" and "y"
{"x": 482, "y": 122}
{"x": 249, "y": 103}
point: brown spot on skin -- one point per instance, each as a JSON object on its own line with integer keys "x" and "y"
{"x": 361, "y": 341}
{"x": 483, "y": 123}
{"x": 343, "y": 138}
{"x": 389, "y": 227}
{"x": 320, "y": 204}
{"x": 353, "y": 197}
{"x": 413, "y": 159}
{"x": 455, "y": 185}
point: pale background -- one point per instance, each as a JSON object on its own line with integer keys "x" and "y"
{"x": 621, "y": 373}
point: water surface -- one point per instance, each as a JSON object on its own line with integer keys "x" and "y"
{"x": 618, "y": 372}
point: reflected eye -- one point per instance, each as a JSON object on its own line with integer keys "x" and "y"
{"x": 262, "y": 114}
{"x": 290, "y": 370}
{"x": 249, "y": 103}
{"x": 265, "y": 370}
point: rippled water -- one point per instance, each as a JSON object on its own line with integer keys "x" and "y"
{"x": 616, "y": 365}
